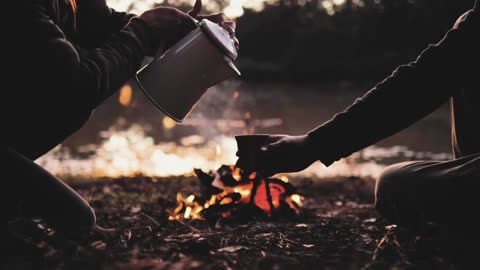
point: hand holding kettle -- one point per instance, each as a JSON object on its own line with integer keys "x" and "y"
{"x": 167, "y": 25}
{"x": 176, "y": 79}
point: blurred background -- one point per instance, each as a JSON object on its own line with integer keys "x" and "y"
{"x": 302, "y": 61}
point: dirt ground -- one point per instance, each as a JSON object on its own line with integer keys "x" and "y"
{"x": 338, "y": 228}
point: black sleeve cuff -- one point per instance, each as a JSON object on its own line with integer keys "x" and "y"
{"x": 141, "y": 31}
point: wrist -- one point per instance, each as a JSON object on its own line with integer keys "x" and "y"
{"x": 311, "y": 150}
{"x": 317, "y": 148}
{"x": 119, "y": 20}
{"x": 143, "y": 33}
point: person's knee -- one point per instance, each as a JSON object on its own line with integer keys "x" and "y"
{"x": 390, "y": 185}
{"x": 88, "y": 220}
{"x": 80, "y": 222}
{"x": 74, "y": 222}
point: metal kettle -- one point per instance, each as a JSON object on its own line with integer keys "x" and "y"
{"x": 177, "y": 79}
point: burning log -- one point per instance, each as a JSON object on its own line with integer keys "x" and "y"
{"x": 229, "y": 192}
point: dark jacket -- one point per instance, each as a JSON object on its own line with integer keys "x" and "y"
{"x": 56, "y": 75}
{"x": 446, "y": 70}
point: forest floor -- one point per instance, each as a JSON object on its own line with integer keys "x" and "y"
{"x": 338, "y": 228}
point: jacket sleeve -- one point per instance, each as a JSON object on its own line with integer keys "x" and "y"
{"x": 409, "y": 94}
{"x": 119, "y": 19}
{"x": 95, "y": 23}
{"x": 76, "y": 73}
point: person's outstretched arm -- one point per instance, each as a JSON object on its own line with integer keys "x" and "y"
{"x": 412, "y": 92}
{"x": 409, "y": 94}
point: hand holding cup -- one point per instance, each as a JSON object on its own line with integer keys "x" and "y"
{"x": 272, "y": 154}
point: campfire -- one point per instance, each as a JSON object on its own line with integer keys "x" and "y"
{"x": 230, "y": 192}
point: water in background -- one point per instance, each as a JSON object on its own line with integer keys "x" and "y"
{"x": 128, "y": 135}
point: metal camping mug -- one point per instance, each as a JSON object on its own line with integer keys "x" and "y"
{"x": 176, "y": 80}
{"x": 249, "y": 148}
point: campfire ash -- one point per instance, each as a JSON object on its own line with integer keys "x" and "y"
{"x": 229, "y": 192}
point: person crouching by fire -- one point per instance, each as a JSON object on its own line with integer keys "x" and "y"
{"x": 66, "y": 58}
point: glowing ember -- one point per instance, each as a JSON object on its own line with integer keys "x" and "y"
{"x": 228, "y": 192}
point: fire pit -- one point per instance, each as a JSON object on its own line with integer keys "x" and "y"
{"x": 229, "y": 192}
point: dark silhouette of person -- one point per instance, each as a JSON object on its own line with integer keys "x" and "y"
{"x": 411, "y": 194}
{"x": 64, "y": 58}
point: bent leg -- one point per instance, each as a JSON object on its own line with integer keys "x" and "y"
{"x": 35, "y": 135}
{"x": 36, "y": 192}
{"x": 413, "y": 193}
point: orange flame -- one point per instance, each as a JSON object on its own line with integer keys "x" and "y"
{"x": 265, "y": 195}
{"x": 191, "y": 208}
{"x": 236, "y": 173}
{"x": 295, "y": 201}
{"x": 261, "y": 198}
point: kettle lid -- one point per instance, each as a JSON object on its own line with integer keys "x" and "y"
{"x": 220, "y": 36}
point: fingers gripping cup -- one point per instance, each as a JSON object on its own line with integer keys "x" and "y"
{"x": 176, "y": 80}
{"x": 249, "y": 151}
